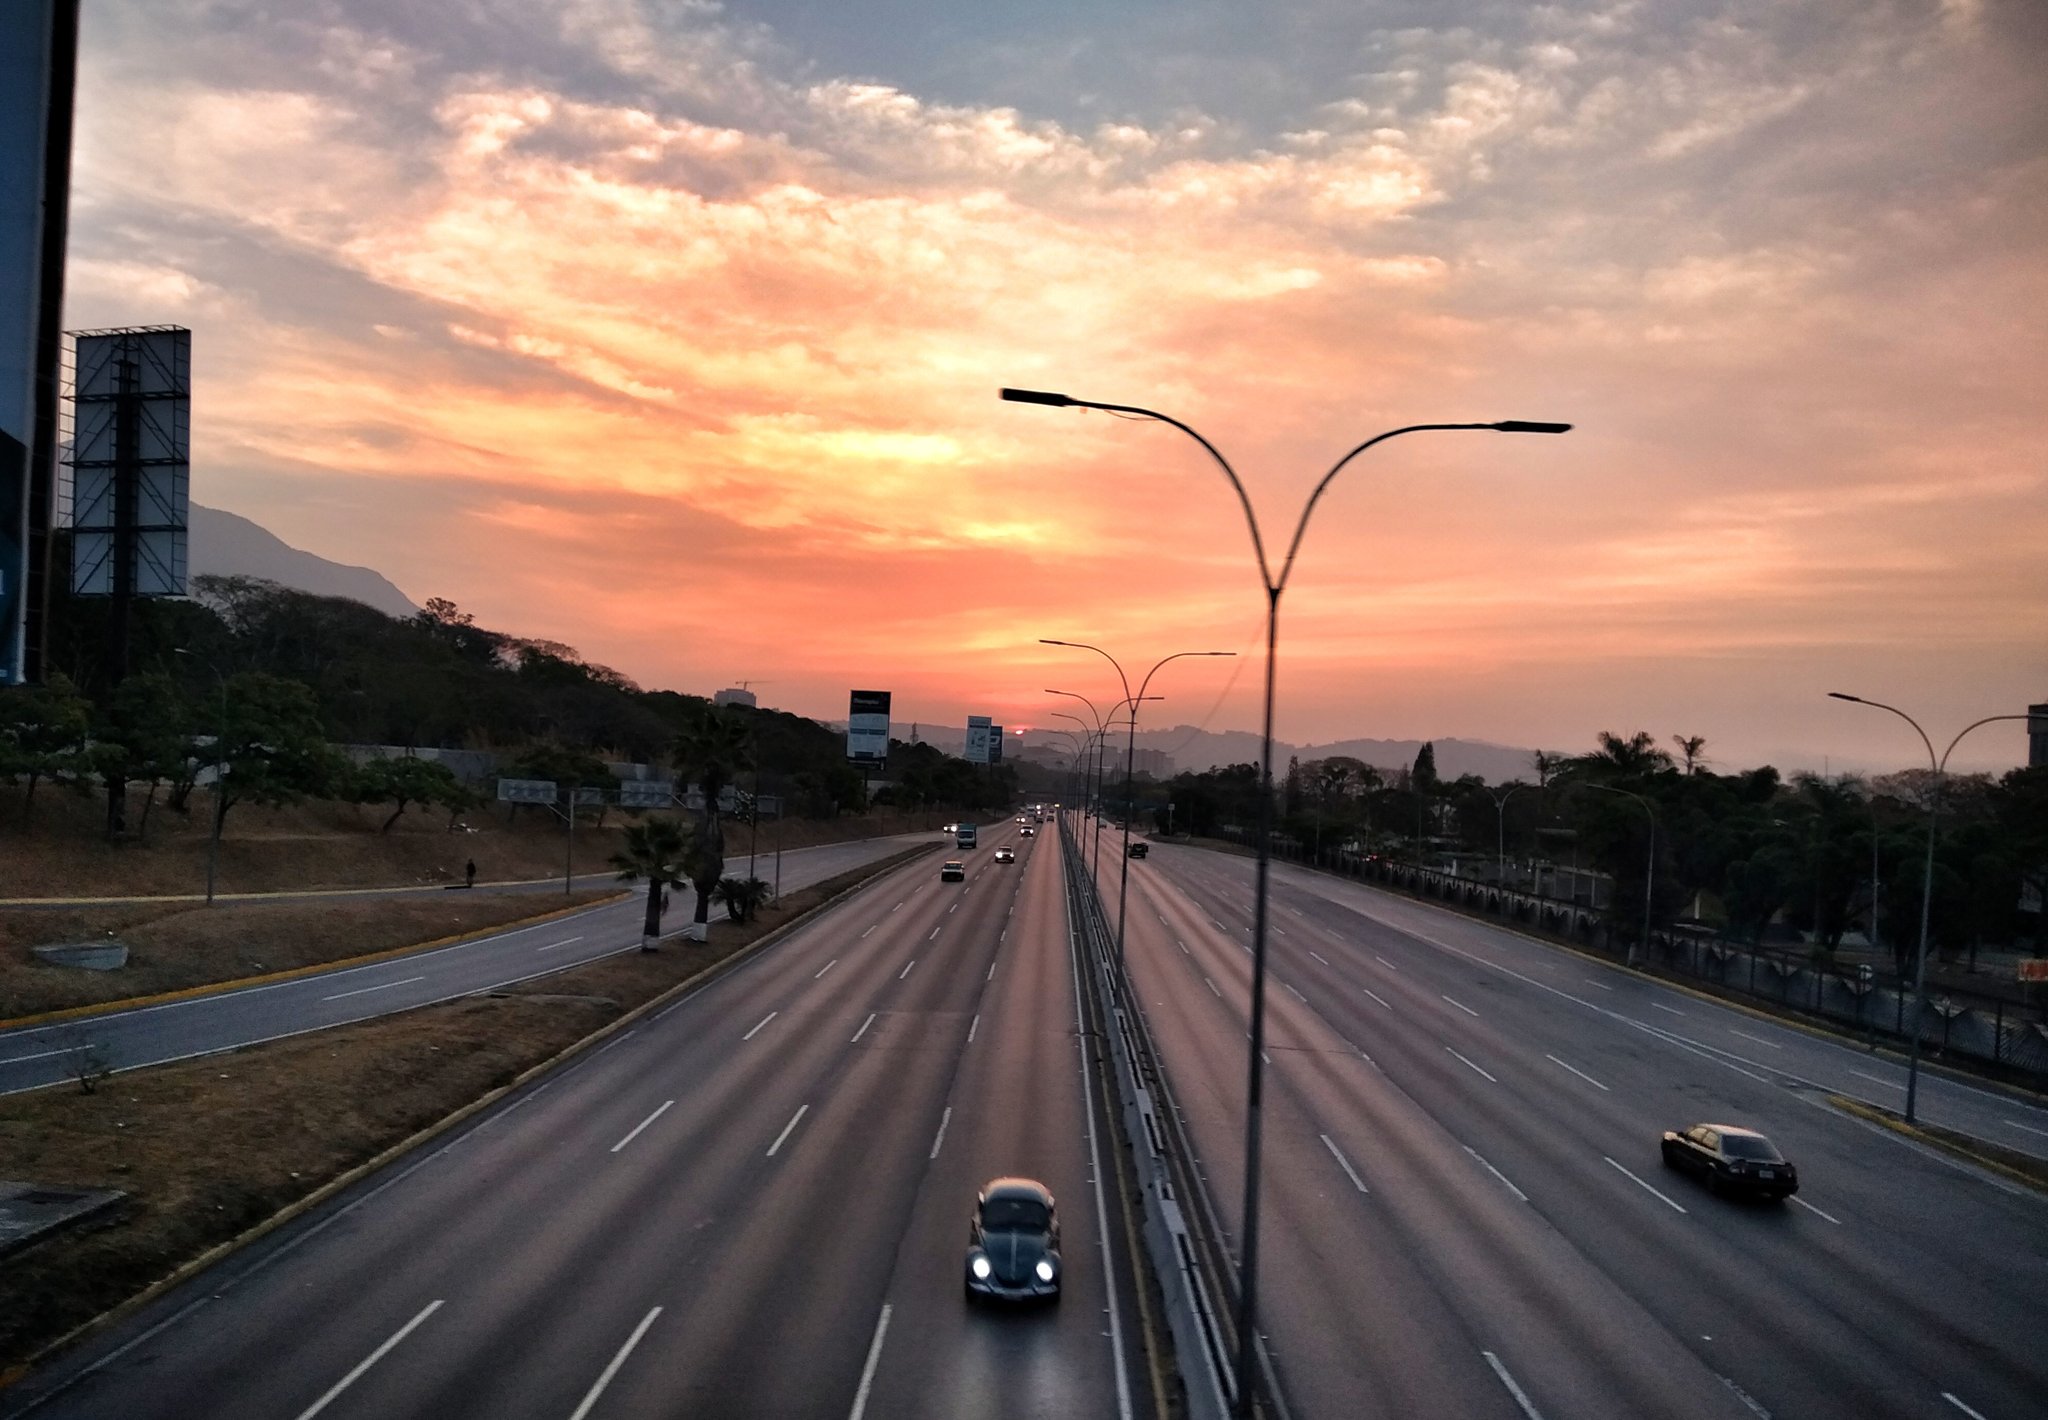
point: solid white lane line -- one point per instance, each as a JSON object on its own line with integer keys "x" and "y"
{"x": 1345, "y": 1164}
{"x": 1385, "y": 963}
{"x": 1375, "y": 996}
{"x": 906, "y": 970}
{"x": 1660, "y": 1006}
{"x": 2015, "y": 1124}
{"x": 1461, "y": 1006}
{"x": 1770, "y": 1044}
{"x": 940, "y": 1137}
{"x": 1646, "y": 1187}
{"x": 1296, "y": 994}
{"x": 757, "y": 1029}
{"x": 1811, "y": 1209}
{"x": 1577, "y": 1071}
{"x": 1601, "y": 984}
{"x": 1949, "y": 1396}
{"x": 800, "y": 1109}
{"x": 972, "y": 1026}
{"x": 829, "y": 965}
{"x": 1212, "y": 987}
{"x": 1509, "y": 1381}
{"x": 867, "y": 1372}
{"x": 863, "y": 1028}
{"x": 640, "y": 1126}
{"x": 368, "y": 1361}
{"x": 366, "y": 990}
{"x": 1319, "y": 957}
{"x": 565, "y": 942}
{"x": 1489, "y": 1078}
{"x": 617, "y": 1361}
{"x": 1497, "y": 1174}
{"x": 1879, "y": 1079}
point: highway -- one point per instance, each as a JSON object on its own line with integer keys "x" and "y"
{"x": 1464, "y": 1209}
{"x": 32, "y": 1057}
{"x": 752, "y": 1203}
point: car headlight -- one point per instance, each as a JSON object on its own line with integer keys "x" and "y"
{"x": 980, "y": 1268}
{"x": 1044, "y": 1269}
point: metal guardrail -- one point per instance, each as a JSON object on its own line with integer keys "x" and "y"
{"x": 1184, "y": 1239}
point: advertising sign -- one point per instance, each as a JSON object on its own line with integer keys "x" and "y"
{"x": 26, "y": 36}
{"x": 867, "y": 727}
{"x": 131, "y": 461}
{"x": 995, "y": 744}
{"x": 526, "y": 791}
{"x": 977, "y": 739}
{"x": 646, "y": 794}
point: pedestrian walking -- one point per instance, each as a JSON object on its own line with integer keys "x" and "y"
{"x": 469, "y": 873}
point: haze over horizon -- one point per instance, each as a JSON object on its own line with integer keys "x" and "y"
{"x": 673, "y": 332}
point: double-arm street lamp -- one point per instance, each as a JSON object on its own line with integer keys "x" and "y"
{"x": 1500, "y": 830}
{"x": 1130, "y": 753}
{"x": 1940, "y": 768}
{"x": 1247, "y": 1297}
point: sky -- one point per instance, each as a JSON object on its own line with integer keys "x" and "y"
{"x": 673, "y": 330}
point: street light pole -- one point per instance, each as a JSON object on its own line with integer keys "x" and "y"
{"x": 220, "y": 766}
{"x": 1940, "y": 768}
{"x": 1248, "y": 1271}
{"x": 1649, "y": 871}
{"x": 1500, "y": 830}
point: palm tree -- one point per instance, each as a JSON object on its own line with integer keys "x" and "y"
{"x": 1690, "y": 746}
{"x": 742, "y": 897}
{"x": 1636, "y": 757}
{"x": 714, "y": 747}
{"x": 656, "y": 850}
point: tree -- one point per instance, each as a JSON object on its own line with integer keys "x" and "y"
{"x": 408, "y": 780}
{"x": 42, "y": 733}
{"x": 145, "y": 734}
{"x": 1690, "y": 746}
{"x": 1636, "y": 757}
{"x": 1424, "y": 776}
{"x": 656, "y": 851}
{"x": 271, "y": 748}
{"x": 712, "y": 749}
{"x": 742, "y": 897}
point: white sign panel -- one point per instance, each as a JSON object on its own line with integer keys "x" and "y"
{"x": 646, "y": 794}
{"x": 867, "y": 727}
{"x": 526, "y": 791}
{"x": 977, "y": 739}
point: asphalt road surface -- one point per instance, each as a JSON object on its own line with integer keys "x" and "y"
{"x": 754, "y": 1203}
{"x": 35, "y": 1056}
{"x": 1464, "y": 1211}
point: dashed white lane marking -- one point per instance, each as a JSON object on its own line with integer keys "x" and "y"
{"x": 611, "y": 1370}
{"x": 1601, "y": 984}
{"x": 1212, "y": 987}
{"x": 1767, "y": 1044}
{"x": 991, "y": 972}
{"x": 368, "y": 1361}
{"x": 1295, "y": 994}
{"x": 863, "y": 1028}
{"x": 1319, "y": 957}
{"x": 1185, "y": 952}
{"x": 1577, "y": 1071}
{"x": 800, "y": 1110}
{"x": 1345, "y": 1164}
{"x": 1461, "y": 1006}
{"x": 635, "y": 1132}
{"x": 1295, "y": 910}
{"x": 46, "y": 1054}
{"x": 906, "y": 970}
{"x": 1668, "y": 1202}
{"x": 828, "y": 966}
{"x": 565, "y": 942}
{"x": 1384, "y": 962}
{"x": 898, "y": 905}
{"x": 940, "y": 1137}
{"x": 1497, "y": 1174}
{"x": 1375, "y": 996}
{"x": 972, "y": 1026}
{"x": 1509, "y": 1381}
{"x": 864, "y": 935}
{"x": 1811, "y": 1209}
{"x": 366, "y": 990}
{"x": 1669, "y": 1010}
{"x": 867, "y": 1372}
{"x": 1470, "y": 1065}
{"x": 1949, "y": 1396}
{"x": 954, "y": 908}
{"x": 757, "y": 1029}
{"x": 1878, "y": 1079}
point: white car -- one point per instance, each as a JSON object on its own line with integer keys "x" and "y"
{"x": 1006, "y": 855}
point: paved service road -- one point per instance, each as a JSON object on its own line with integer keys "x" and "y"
{"x": 34, "y": 1056}
{"x": 1464, "y": 1209}
{"x": 752, "y": 1203}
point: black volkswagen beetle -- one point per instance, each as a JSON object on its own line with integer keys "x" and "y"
{"x": 1733, "y": 1159}
{"x": 1013, "y": 1243}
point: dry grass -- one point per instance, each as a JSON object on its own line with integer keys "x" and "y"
{"x": 207, "y": 1148}
{"x": 178, "y": 945}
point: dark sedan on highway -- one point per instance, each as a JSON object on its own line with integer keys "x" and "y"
{"x": 1013, "y": 1243}
{"x": 1732, "y": 1160}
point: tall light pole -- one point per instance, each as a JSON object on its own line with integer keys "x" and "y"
{"x": 1123, "y": 885}
{"x": 1649, "y": 869}
{"x": 1248, "y": 1268}
{"x": 220, "y": 767}
{"x": 1500, "y": 829}
{"x": 1940, "y": 768}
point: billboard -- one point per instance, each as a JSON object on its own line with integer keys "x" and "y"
{"x": 28, "y": 34}
{"x": 995, "y": 744}
{"x": 977, "y": 739}
{"x": 131, "y": 461}
{"x": 867, "y": 727}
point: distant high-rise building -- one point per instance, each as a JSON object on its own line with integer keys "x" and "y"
{"x": 2037, "y": 737}
{"x": 1155, "y": 762}
{"x": 734, "y": 696}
